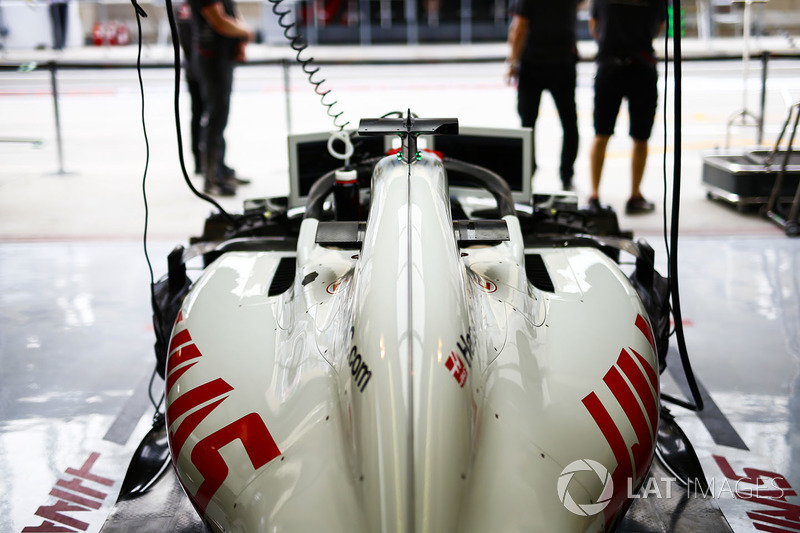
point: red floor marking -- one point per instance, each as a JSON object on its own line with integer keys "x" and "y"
{"x": 69, "y": 502}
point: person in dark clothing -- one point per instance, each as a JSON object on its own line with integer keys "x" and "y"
{"x": 219, "y": 39}
{"x": 544, "y": 56}
{"x": 626, "y": 68}
{"x": 186, "y": 38}
{"x": 58, "y": 21}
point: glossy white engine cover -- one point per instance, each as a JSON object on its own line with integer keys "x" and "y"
{"x": 413, "y": 386}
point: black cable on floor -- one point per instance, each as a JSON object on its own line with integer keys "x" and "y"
{"x": 676, "y": 195}
{"x": 140, "y": 13}
{"x": 666, "y": 138}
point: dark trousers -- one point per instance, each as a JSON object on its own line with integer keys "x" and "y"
{"x": 58, "y": 18}
{"x": 196, "y": 96}
{"x": 559, "y": 79}
{"x": 217, "y": 82}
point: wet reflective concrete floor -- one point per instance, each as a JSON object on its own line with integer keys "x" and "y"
{"x": 75, "y": 361}
{"x": 75, "y": 333}
{"x": 741, "y": 308}
{"x": 76, "y": 357}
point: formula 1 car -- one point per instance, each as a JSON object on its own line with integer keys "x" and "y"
{"x": 394, "y": 357}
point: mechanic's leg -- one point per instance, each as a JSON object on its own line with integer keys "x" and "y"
{"x": 642, "y": 103}
{"x": 217, "y": 90}
{"x": 222, "y": 168}
{"x": 607, "y": 100}
{"x": 217, "y": 113}
{"x": 563, "y": 91}
{"x": 212, "y": 136}
{"x": 529, "y": 95}
{"x": 196, "y": 130}
{"x": 597, "y": 158}
{"x": 58, "y": 19}
{"x": 226, "y": 86}
{"x": 638, "y": 162}
{"x": 206, "y": 91}
{"x": 202, "y": 87}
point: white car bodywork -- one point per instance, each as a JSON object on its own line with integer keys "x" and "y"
{"x": 412, "y": 385}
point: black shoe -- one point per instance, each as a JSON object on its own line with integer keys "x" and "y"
{"x": 229, "y": 175}
{"x": 594, "y": 205}
{"x": 235, "y": 180}
{"x": 219, "y": 189}
{"x": 638, "y": 206}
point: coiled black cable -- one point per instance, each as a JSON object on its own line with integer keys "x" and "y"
{"x": 292, "y": 34}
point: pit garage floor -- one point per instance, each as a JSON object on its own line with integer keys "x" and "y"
{"x": 75, "y": 332}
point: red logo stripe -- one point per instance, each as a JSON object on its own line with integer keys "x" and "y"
{"x": 618, "y": 447}
{"x": 172, "y": 378}
{"x": 250, "y": 429}
{"x": 639, "y": 382}
{"x": 622, "y": 392}
{"x": 195, "y": 397}
{"x": 189, "y": 424}
{"x": 645, "y": 385}
{"x": 610, "y": 432}
{"x": 644, "y": 327}
{"x": 651, "y": 374}
{"x": 257, "y": 442}
{"x": 187, "y": 353}
{"x": 182, "y": 337}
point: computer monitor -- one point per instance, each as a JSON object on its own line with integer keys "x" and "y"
{"x": 309, "y": 159}
{"x": 506, "y": 151}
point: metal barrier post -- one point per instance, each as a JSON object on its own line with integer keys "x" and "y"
{"x": 764, "y": 64}
{"x": 53, "y": 82}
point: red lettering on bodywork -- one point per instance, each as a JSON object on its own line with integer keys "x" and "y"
{"x": 181, "y": 337}
{"x": 257, "y": 442}
{"x": 457, "y": 369}
{"x": 632, "y": 461}
{"x": 249, "y": 429}
{"x": 644, "y": 327}
{"x": 197, "y": 396}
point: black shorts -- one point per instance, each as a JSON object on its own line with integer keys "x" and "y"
{"x": 635, "y": 81}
